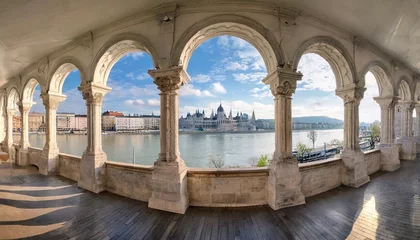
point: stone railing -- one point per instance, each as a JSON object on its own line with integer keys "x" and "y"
{"x": 69, "y": 166}
{"x": 129, "y": 180}
{"x": 320, "y": 176}
{"x": 230, "y": 187}
{"x": 35, "y": 156}
{"x": 373, "y": 160}
{"x": 227, "y": 187}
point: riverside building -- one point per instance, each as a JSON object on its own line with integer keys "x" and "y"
{"x": 218, "y": 122}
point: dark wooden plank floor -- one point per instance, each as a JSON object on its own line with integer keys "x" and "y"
{"x": 37, "y": 207}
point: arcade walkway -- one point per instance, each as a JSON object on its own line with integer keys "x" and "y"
{"x": 39, "y": 207}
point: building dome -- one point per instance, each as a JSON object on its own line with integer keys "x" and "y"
{"x": 220, "y": 108}
{"x": 245, "y": 116}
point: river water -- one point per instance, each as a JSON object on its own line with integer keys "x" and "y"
{"x": 235, "y": 148}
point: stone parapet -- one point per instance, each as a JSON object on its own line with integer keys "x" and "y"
{"x": 390, "y": 160}
{"x": 407, "y": 148}
{"x": 354, "y": 170}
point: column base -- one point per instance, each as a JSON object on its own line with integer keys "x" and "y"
{"x": 92, "y": 172}
{"x": 169, "y": 183}
{"x": 408, "y": 148}
{"x": 23, "y": 157}
{"x": 284, "y": 184}
{"x": 389, "y": 156}
{"x": 417, "y": 139}
{"x": 49, "y": 161}
{"x": 354, "y": 170}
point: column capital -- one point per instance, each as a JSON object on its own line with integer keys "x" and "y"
{"x": 52, "y": 100}
{"x": 387, "y": 101}
{"x": 93, "y": 93}
{"x": 350, "y": 94}
{"x": 170, "y": 79}
{"x": 10, "y": 111}
{"x": 282, "y": 81}
{"x": 25, "y": 106}
{"x": 406, "y": 105}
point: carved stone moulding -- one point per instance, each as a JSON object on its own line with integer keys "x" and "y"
{"x": 282, "y": 81}
{"x": 170, "y": 79}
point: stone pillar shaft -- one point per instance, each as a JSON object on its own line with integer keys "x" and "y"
{"x": 49, "y": 163}
{"x": 24, "y": 108}
{"x": 389, "y": 150}
{"x": 284, "y": 183}
{"x": 169, "y": 145}
{"x": 408, "y": 143}
{"x": 10, "y": 114}
{"x": 354, "y": 167}
{"x": 169, "y": 177}
{"x": 92, "y": 165}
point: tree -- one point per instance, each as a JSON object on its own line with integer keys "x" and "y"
{"x": 375, "y": 132}
{"x": 302, "y": 149}
{"x": 216, "y": 161}
{"x": 312, "y": 135}
{"x": 262, "y": 161}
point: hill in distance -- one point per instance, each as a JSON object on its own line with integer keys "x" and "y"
{"x": 317, "y": 119}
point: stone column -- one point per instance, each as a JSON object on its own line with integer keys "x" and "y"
{"x": 92, "y": 165}
{"x": 417, "y": 127}
{"x": 9, "y": 134}
{"x": 284, "y": 181}
{"x": 354, "y": 172}
{"x": 49, "y": 158}
{"x": 24, "y": 108}
{"x": 389, "y": 150}
{"x": 406, "y": 139}
{"x": 169, "y": 177}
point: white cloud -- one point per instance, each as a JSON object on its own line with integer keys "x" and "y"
{"x": 136, "y": 55}
{"x": 200, "y": 78}
{"x": 217, "y": 87}
{"x": 134, "y": 102}
{"x": 329, "y": 105}
{"x": 223, "y": 41}
{"x": 238, "y": 43}
{"x": 234, "y": 66}
{"x": 153, "y": 102}
{"x": 260, "y": 93}
{"x": 143, "y": 76}
{"x": 74, "y": 102}
{"x": 189, "y": 90}
{"x": 249, "y": 77}
{"x": 130, "y": 75}
{"x": 317, "y": 74}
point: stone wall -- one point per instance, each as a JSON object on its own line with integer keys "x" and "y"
{"x": 69, "y": 166}
{"x": 129, "y": 180}
{"x": 227, "y": 187}
{"x": 373, "y": 160}
{"x": 320, "y": 176}
{"x": 34, "y": 156}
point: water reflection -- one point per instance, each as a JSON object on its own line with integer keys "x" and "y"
{"x": 236, "y": 148}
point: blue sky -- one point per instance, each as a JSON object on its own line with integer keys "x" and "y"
{"x": 226, "y": 69}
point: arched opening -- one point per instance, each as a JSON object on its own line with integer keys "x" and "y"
{"x": 36, "y": 119}
{"x": 64, "y": 82}
{"x": 378, "y": 85}
{"x": 131, "y": 110}
{"x": 318, "y": 113}
{"x": 401, "y": 128}
{"x": 326, "y": 68}
{"x": 226, "y": 112}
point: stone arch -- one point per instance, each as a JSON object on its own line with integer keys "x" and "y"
{"x": 334, "y": 53}
{"x": 13, "y": 98}
{"x": 404, "y": 91}
{"x": 232, "y": 25}
{"x": 382, "y": 77}
{"x": 29, "y": 89}
{"x": 114, "y": 49}
{"x": 60, "y": 72}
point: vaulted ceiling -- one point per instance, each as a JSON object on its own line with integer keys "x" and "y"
{"x": 31, "y": 29}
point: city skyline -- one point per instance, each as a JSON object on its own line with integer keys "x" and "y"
{"x": 226, "y": 68}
